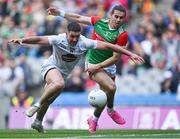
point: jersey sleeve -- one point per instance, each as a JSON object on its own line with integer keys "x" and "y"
{"x": 89, "y": 43}
{"x": 123, "y": 39}
{"x": 94, "y": 19}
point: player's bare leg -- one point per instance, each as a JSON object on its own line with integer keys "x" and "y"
{"x": 43, "y": 109}
{"x": 107, "y": 85}
{"x": 110, "y": 90}
{"x": 54, "y": 86}
{"x": 37, "y": 124}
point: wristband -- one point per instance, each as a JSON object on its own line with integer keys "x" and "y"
{"x": 62, "y": 13}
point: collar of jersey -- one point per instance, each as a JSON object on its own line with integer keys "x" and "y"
{"x": 110, "y": 27}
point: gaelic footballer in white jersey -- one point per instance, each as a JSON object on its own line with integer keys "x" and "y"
{"x": 65, "y": 56}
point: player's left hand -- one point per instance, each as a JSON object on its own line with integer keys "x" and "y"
{"x": 137, "y": 59}
{"x": 94, "y": 68}
{"x": 53, "y": 11}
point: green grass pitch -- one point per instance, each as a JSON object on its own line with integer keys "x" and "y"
{"x": 100, "y": 134}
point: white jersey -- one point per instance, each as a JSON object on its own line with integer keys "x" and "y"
{"x": 65, "y": 56}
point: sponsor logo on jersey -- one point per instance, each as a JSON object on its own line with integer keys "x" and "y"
{"x": 69, "y": 57}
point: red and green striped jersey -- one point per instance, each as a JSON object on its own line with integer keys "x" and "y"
{"x": 103, "y": 32}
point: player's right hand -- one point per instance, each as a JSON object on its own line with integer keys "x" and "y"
{"x": 137, "y": 59}
{"x": 18, "y": 41}
{"x": 53, "y": 11}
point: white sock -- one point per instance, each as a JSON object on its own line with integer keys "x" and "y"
{"x": 38, "y": 121}
{"x": 110, "y": 109}
{"x": 37, "y": 104}
{"x": 95, "y": 118}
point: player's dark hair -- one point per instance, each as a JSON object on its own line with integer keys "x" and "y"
{"x": 74, "y": 26}
{"x": 119, "y": 8}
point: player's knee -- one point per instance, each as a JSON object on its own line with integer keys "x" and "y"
{"x": 112, "y": 88}
{"x": 59, "y": 85}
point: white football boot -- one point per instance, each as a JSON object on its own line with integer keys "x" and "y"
{"x": 32, "y": 110}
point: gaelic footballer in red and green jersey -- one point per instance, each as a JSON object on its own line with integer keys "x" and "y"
{"x": 103, "y": 32}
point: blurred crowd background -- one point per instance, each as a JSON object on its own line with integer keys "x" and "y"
{"x": 154, "y": 33}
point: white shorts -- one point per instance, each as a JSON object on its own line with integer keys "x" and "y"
{"x": 47, "y": 66}
{"x": 111, "y": 70}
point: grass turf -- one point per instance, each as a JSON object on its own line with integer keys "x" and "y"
{"x": 81, "y": 134}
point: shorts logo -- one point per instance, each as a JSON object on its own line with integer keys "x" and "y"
{"x": 69, "y": 58}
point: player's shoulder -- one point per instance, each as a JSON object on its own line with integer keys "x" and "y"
{"x": 82, "y": 38}
{"x": 123, "y": 28}
{"x": 105, "y": 20}
{"x": 57, "y": 39}
{"x": 62, "y": 35}
{"x": 94, "y": 19}
{"x": 124, "y": 34}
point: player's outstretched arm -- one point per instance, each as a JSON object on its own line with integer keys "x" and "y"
{"x": 115, "y": 48}
{"x": 43, "y": 40}
{"x": 135, "y": 58}
{"x": 69, "y": 16}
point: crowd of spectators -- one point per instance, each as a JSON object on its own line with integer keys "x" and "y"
{"x": 155, "y": 36}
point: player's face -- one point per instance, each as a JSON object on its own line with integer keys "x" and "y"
{"x": 73, "y": 37}
{"x": 117, "y": 19}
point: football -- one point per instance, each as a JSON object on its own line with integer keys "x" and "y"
{"x": 97, "y": 98}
